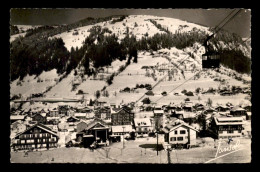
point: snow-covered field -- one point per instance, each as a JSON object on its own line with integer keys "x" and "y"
{"x": 30, "y": 84}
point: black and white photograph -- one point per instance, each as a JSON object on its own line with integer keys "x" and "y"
{"x": 130, "y": 86}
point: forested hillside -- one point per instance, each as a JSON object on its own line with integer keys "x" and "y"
{"x": 36, "y": 52}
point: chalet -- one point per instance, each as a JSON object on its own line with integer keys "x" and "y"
{"x": 225, "y": 127}
{"x": 237, "y": 112}
{"x": 54, "y": 112}
{"x": 37, "y": 136}
{"x": 39, "y": 118}
{"x": 199, "y": 107}
{"x": 222, "y": 108}
{"x": 103, "y": 113}
{"x": 95, "y": 131}
{"x": 82, "y": 116}
{"x": 63, "y": 110}
{"x": 84, "y": 110}
{"x": 122, "y": 116}
{"x": 142, "y": 125}
{"x": 187, "y": 108}
{"x": 180, "y": 133}
{"x": 209, "y": 110}
{"x": 72, "y": 120}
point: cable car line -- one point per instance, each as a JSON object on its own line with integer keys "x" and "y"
{"x": 215, "y": 61}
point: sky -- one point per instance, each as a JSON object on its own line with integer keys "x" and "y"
{"x": 241, "y": 24}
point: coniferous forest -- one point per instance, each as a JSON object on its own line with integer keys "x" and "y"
{"x": 36, "y": 53}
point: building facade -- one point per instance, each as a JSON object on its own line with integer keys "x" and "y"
{"x": 226, "y": 127}
{"x": 36, "y": 137}
{"x": 122, "y": 117}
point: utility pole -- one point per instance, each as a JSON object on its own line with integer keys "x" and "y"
{"x": 169, "y": 155}
{"x": 157, "y": 134}
{"x": 123, "y": 136}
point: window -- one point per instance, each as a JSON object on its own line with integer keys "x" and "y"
{"x": 239, "y": 131}
{"x": 220, "y": 132}
{"x": 175, "y": 132}
{"x": 173, "y": 139}
{"x": 230, "y": 131}
{"x": 180, "y": 138}
{"x": 182, "y": 132}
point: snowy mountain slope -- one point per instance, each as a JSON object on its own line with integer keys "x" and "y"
{"x": 137, "y": 25}
{"x": 22, "y": 31}
{"x": 162, "y": 61}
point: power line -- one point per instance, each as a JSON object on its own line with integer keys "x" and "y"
{"x": 199, "y": 47}
{"x": 225, "y": 18}
{"x": 179, "y": 85}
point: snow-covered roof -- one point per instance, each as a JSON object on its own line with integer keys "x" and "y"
{"x": 16, "y": 117}
{"x": 229, "y": 120}
{"x": 120, "y": 129}
{"x": 158, "y": 111}
{"x": 80, "y": 114}
{"x": 142, "y": 122}
{"x": 173, "y": 126}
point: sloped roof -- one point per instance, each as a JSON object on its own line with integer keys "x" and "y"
{"x": 41, "y": 126}
{"x": 173, "y": 126}
{"x": 142, "y": 122}
{"x": 229, "y": 120}
{"x": 237, "y": 108}
{"x": 16, "y": 117}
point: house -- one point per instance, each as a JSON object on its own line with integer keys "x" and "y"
{"x": 82, "y": 116}
{"x": 180, "y": 133}
{"x": 95, "y": 131}
{"x": 54, "y": 112}
{"x": 222, "y": 108}
{"x": 37, "y": 136}
{"x": 72, "y": 120}
{"x": 142, "y": 125}
{"x": 103, "y": 113}
{"x": 178, "y": 114}
{"x": 238, "y": 111}
{"x": 39, "y": 118}
{"x": 225, "y": 127}
{"x": 63, "y": 110}
{"x": 122, "y": 116}
{"x": 187, "y": 107}
{"x": 199, "y": 107}
{"x": 209, "y": 110}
